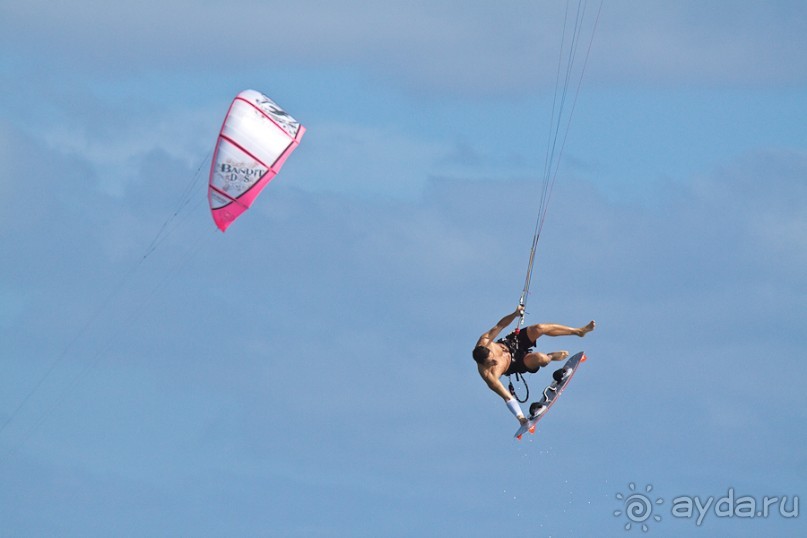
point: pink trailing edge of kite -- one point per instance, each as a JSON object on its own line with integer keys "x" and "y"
{"x": 255, "y": 132}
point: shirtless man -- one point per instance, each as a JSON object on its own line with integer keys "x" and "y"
{"x": 513, "y": 354}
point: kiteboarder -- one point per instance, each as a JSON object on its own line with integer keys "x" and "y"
{"x": 513, "y": 353}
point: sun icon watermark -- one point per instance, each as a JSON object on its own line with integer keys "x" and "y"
{"x": 638, "y": 507}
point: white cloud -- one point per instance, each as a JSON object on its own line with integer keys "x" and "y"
{"x": 355, "y": 158}
{"x": 329, "y": 305}
{"x": 460, "y": 48}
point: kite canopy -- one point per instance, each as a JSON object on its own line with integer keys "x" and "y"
{"x": 256, "y": 138}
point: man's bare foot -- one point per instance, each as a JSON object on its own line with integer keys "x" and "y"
{"x": 582, "y": 331}
{"x": 558, "y": 355}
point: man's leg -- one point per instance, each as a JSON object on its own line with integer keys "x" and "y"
{"x": 553, "y": 329}
{"x": 537, "y": 359}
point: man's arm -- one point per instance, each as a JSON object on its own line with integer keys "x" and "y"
{"x": 496, "y": 386}
{"x": 488, "y": 337}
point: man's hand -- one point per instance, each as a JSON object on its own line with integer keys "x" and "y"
{"x": 522, "y": 419}
{"x": 488, "y": 337}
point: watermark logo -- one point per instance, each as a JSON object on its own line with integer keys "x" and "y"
{"x": 642, "y": 508}
{"x": 638, "y": 507}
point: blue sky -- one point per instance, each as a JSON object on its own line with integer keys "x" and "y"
{"x": 308, "y": 373}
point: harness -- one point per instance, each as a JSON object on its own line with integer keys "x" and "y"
{"x": 511, "y": 343}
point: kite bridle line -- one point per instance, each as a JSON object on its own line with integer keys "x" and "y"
{"x": 552, "y": 161}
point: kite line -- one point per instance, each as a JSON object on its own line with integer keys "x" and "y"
{"x": 560, "y": 123}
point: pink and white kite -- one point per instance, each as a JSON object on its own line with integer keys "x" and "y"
{"x": 256, "y": 138}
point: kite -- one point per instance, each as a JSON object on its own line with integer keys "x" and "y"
{"x": 256, "y": 138}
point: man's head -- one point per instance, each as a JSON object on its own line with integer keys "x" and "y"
{"x": 481, "y": 354}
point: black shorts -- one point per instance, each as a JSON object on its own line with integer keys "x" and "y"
{"x": 518, "y": 345}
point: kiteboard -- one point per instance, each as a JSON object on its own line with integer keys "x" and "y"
{"x": 552, "y": 392}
